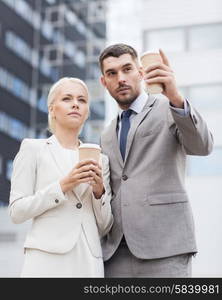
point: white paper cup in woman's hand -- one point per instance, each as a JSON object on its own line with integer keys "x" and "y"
{"x": 89, "y": 151}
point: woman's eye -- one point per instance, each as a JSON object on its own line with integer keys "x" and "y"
{"x": 82, "y": 100}
{"x": 65, "y": 99}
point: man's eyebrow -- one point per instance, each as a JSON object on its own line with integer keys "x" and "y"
{"x": 123, "y": 66}
{"x": 109, "y": 70}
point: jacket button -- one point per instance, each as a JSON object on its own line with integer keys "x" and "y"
{"x": 79, "y": 205}
{"x": 56, "y": 201}
{"x": 124, "y": 177}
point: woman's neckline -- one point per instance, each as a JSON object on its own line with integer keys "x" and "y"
{"x": 71, "y": 149}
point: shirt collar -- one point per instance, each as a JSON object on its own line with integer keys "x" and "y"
{"x": 138, "y": 104}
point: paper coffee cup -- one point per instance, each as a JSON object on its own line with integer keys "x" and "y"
{"x": 148, "y": 58}
{"x": 89, "y": 151}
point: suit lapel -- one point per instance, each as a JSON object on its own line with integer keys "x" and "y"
{"x": 56, "y": 152}
{"x": 58, "y": 156}
{"x": 137, "y": 121}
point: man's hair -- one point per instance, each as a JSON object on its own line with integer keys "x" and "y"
{"x": 117, "y": 50}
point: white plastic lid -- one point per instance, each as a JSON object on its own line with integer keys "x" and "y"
{"x": 87, "y": 145}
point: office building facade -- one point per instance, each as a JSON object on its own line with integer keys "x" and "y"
{"x": 41, "y": 41}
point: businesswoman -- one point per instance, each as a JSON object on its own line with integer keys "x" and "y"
{"x": 67, "y": 200}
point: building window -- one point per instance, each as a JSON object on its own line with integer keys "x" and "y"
{"x": 4, "y": 122}
{"x": 13, "y": 127}
{"x": 23, "y": 50}
{"x": 14, "y": 85}
{"x": 205, "y": 37}
{"x": 10, "y": 3}
{"x": 47, "y": 30}
{"x": 51, "y": 1}
{"x": 9, "y": 166}
{"x": 19, "y": 46}
{"x": 171, "y": 40}
{"x": 1, "y": 164}
{"x": 207, "y": 100}
{"x": 42, "y": 104}
{"x": 80, "y": 58}
{"x": 189, "y": 38}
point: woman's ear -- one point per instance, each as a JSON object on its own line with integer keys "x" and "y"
{"x": 51, "y": 111}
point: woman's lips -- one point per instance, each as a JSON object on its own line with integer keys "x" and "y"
{"x": 74, "y": 113}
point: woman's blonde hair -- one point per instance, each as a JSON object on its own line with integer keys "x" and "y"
{"x": 51, "y": 97}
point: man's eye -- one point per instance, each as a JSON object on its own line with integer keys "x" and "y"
{"x": 111, "y": 73}
{"x": 128, "y": 69}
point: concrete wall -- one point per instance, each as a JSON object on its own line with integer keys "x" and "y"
{"x": 12, "y": 238}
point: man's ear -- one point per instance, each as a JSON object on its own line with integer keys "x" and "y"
{"x": 141, "y": 73}
{"x": 102, "y": 80}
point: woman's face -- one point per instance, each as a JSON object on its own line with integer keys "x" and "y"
{"x": 70, "y": 107}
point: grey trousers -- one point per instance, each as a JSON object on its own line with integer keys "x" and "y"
{"x": 124, "y": 264}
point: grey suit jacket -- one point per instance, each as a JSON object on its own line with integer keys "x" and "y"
{"x": 149, "y": 202}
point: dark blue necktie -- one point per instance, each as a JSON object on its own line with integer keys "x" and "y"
{"x": 125, "y": 125}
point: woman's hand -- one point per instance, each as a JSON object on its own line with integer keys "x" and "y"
{"x": 97, "y": 181}
{"x": 83, "y": 172}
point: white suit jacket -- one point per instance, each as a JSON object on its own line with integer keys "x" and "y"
{"x": 57, "y": 217}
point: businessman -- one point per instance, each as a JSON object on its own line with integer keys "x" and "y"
{"x": 153, "y": 234}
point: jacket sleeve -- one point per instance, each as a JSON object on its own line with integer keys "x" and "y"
{"x": 191, "y": 131}
{"x": 25, "y": 203}
{"x": 102, "y": 206}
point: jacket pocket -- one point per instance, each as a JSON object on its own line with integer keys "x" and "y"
{"x": 146, "y": 131}
{"x": 173, "y": 198}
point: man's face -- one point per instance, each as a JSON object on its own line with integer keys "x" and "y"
{"x": 122, "y": 77}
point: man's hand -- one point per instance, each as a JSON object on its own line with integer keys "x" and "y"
{"x": 162, "y": 73}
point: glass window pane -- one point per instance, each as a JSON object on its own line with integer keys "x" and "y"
{"x": 9, "y": 166}
{"x": 1, "y": 164}
{"x": 206, "y": 37}
{"x": 170, "y": 40}
{"x": 206, "y": 97}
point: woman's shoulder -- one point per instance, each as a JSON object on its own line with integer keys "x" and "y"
{"x": 29, "y": 143}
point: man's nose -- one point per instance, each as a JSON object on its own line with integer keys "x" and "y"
{"x": 121, "y": 78}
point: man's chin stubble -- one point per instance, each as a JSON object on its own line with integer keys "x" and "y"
{"x": 125, "y": 101}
